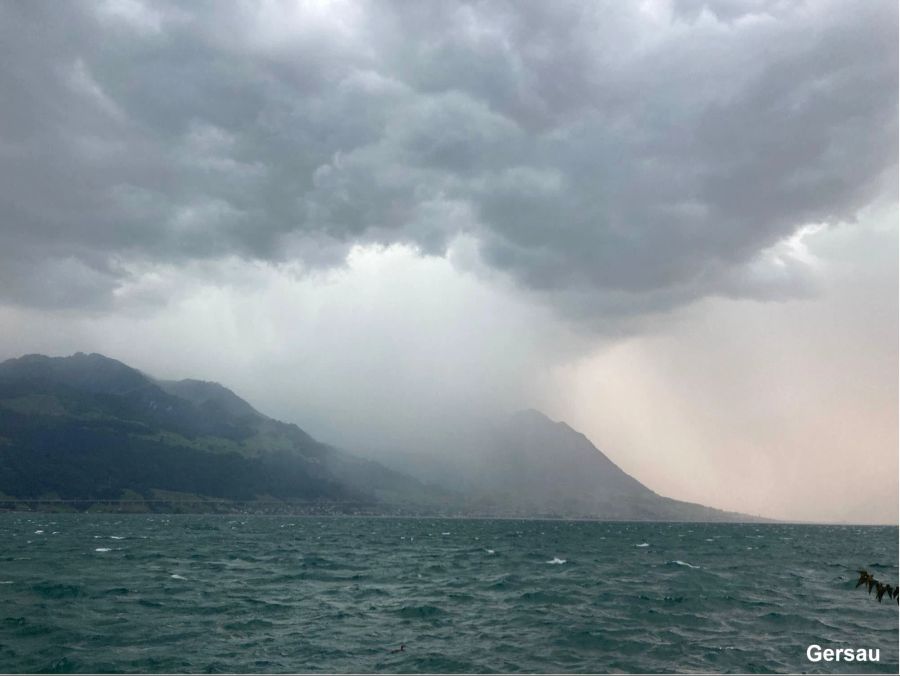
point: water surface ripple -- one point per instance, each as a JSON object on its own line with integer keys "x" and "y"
{"x": 198, "y": 593}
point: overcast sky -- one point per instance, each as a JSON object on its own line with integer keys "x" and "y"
{"x": 671, "y": 223}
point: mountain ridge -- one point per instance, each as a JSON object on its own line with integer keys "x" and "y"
{"x": 91, "y": 424}
{"x": 90, "y": 427}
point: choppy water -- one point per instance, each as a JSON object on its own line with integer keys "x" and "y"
{"x": 155, "y": 593}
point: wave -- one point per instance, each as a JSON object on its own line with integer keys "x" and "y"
{"x": 545, "y": 597}
{"x": 506, "y": 581}
{"x": 677, "y": 562}
{"x": 313, "y": 561}
{"x": 342, "y": 603}
{"x": 441, "y": 664}
{"x": 419, "y": 612}
{"x": 54, "y": 590}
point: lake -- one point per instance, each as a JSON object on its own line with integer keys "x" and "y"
{"x": 189, "y": 593}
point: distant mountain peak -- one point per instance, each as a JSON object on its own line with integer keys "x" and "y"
{"x": 204, "y": 392}
{"x": 539, "y": 420}
{"x": 94, "y": 372}
{"x": 531, "y": 414}
{"x": 550, "y": 456}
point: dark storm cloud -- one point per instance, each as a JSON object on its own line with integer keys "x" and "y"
{"x": 611, "y": 157}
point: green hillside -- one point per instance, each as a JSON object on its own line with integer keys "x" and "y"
{"x": 88, "y": 428}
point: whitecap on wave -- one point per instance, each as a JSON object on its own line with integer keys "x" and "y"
{"x": 116, "y": 537}
{"x": 556, "y": 560}
{"x": 489, "y": 551}
{"x": 682, "y": 563}
{"x": 102, "y": 549}
{"x": 176, "y": 576}
{"x": 643, "y": 544}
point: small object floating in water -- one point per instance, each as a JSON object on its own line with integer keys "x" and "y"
{"x": 38, "y": 532}
{"x": 102, "y": 549}
{"x": 557, "y": 561}
{"x": 489, "y": 551}
{"x": 643, "y": 544}
{"x": 401, "y": 649}
{"x": 445, "y": 533}
{"x": 176, "y": 576}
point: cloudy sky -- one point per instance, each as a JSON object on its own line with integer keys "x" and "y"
{"x": 671, "y": 223}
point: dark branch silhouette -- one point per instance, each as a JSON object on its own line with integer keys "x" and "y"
{"x": 881, "y": 589}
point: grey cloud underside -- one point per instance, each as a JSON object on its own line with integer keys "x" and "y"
{"x": 606, "y": 160}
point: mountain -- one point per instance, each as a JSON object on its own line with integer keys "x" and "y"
{"x": 90, "y": 429}
{"x": 87, "y": 427}
{"x": 207, "y": 394}
{"x": 538, "y": 464}
{"x": 530, "y": 465}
